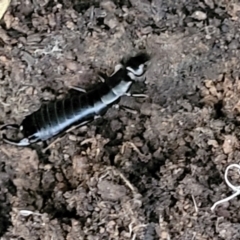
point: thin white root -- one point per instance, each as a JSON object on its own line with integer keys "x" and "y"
{"x": 236, "y": 189}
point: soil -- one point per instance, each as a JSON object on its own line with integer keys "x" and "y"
{"x": 151, "y": 173}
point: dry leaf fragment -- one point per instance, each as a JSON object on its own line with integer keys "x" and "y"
{"x": 3, "y": 7}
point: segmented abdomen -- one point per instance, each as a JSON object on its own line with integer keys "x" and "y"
{"x": 56, "y": 117}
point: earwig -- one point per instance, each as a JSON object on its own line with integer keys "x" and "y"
{"x": 57, "y": 117}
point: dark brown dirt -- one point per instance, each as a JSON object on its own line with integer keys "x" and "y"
{"x": 150, "y": 175}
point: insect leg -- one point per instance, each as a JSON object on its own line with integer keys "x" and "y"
{"x": 137, "y": 95}
{"x": 78, "y": 89}
{"x": 77, "y": 126}
{"x": 63, "y": 134}
{"x": 128, "y": 109}
{"x": 117, "y": 68}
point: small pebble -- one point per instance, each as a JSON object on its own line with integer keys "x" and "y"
{"x": 72, "y": 138}
{"x": 108, "y": 5}
{"x": 73, "y": 66}
{"x": 198, "y": 15}
{"x": 111, "y": 21}
{"x": 146, "y": 30}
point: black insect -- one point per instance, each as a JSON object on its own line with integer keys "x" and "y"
{"x": 59, "y": 116}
